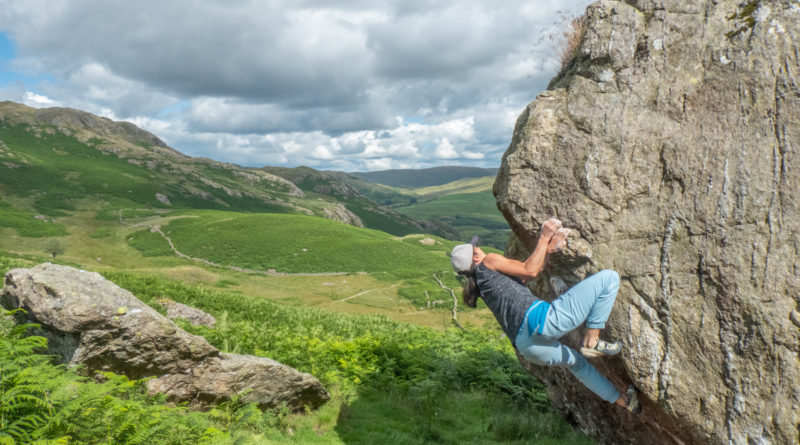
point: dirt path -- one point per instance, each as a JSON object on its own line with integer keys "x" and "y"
{"x": 364, "y": 292}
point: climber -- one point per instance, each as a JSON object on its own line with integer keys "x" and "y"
{"x": 533, "y": 325}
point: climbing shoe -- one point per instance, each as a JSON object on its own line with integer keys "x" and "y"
{"x": 633, "y": 404}
{"x": 602, "y": 349}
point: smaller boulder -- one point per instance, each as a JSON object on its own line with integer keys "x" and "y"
{"x": 258, "y": 379}
{"x": 192, "y": 315}
{"x": 92, "y": 321}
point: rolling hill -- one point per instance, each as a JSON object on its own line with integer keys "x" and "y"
{"x": 372, "y": 203}
{"x": 455, "y": 210}
{"x": 57, "y": 160}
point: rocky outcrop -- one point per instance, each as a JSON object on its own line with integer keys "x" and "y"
{"x": 670, "y": 147}
{"x": 91, "y": 321}
{"x": 69, "y": 118}
{"x": 338, "y": 212}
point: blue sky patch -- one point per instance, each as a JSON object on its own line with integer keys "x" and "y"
{"x": 8, "y": 52}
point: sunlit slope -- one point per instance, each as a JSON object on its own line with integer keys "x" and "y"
{"x": 467, "y": 185}
{"x": 292, "y": 244}
{"x": 468, "y": 205}
{"x": 412, "y": 178}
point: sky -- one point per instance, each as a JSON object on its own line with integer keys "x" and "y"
{"x": 335, "y": 85}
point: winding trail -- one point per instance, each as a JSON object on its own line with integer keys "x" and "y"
{"x": 364, "y": 292}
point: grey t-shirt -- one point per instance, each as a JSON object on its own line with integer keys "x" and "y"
{"x": 507, "y": 298}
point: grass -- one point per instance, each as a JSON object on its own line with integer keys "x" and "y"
{"x": 26, "y": 225}
{"x": 354, "y": 293}
{"x": 290, "y": 244}
{"x": 302, "y": 244}
{"x": 391, "y": 382}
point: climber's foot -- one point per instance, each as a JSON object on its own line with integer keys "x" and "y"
{"x": 602, "y": 349}
{"x": 633, "y": 404}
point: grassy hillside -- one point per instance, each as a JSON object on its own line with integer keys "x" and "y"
{"x": 291, "y": 244}
{"x": 455, "y": 210}
{"x": 55, "y": 161}
{"x": 467, "y": 185}
{"x": 371, "y": 202}
{"x": 297, "y": 244}
{"x": 424, "y": 177}
{"x": 57, "y": 165}
{"x": 391, "y": 383}
{"x": 468, "y": 213}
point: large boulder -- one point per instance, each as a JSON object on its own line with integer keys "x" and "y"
{"x": 670, "y": 146}
{"x": 91, "y": 321}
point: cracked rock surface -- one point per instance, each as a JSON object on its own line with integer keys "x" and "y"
{"x": 670, "y": 147}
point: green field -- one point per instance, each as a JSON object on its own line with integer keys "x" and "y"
{"x": 291, "y": 244}
{"x": 295, "y": 244}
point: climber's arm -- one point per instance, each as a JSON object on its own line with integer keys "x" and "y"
{"x": 526, "y": 270}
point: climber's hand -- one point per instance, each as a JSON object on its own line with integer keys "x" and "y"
{"x": 559, "y": 241}
{"x": 549, "y": 228}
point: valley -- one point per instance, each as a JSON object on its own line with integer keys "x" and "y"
{"x": 358, "y": 305}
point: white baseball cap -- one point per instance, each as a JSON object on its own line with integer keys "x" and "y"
{"x": 461, "y": 257}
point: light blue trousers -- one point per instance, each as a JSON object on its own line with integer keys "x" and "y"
{"x": 590, "y": 300}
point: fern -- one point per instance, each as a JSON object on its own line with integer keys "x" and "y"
{"x": 41, "y": 402}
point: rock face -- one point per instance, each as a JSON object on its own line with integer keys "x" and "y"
{"x": 670, "y": 146}
{"x": 91, "y": 321}
{"x": 338, "y": 212}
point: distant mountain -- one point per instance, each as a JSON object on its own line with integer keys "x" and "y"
{"x": 55, "y": 161}
{"x": 424, "y": 177}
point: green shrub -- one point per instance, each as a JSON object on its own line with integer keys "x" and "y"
{"x": 26, "y": 225}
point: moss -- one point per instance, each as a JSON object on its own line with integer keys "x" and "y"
{"x": 744, "y": 19}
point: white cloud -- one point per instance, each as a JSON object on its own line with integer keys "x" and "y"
{"x": 37, "y": 100}
{"x": 445, "y": 150}
{"x": 295, "y": 82}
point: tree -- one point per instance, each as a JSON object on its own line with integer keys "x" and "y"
{"x": 54, "y": 247}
